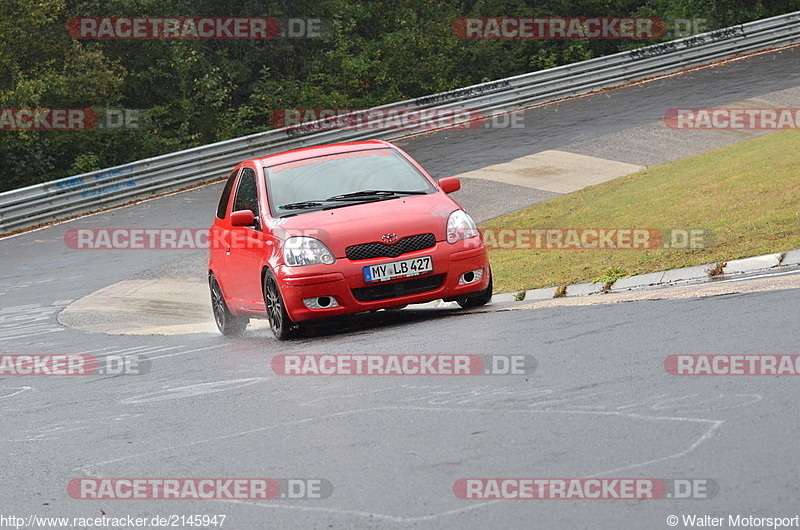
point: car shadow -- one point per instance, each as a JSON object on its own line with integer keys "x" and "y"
{"x": 372, "y": 320}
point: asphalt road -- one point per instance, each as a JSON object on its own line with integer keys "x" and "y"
{"x": 577, "y": 121}
{"x": 600, "y": 403}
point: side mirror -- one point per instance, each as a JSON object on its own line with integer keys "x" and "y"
{"x": 450, "y": 184}
{"x": 243, "y": 218}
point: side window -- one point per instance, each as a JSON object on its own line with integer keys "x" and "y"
{"x": 222, "y": 207}
{"x": 247, "y": 193}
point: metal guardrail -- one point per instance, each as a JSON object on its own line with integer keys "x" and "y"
{"x": 60, "y": 199}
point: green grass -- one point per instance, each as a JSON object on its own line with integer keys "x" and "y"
{"x": 747, "y": 195}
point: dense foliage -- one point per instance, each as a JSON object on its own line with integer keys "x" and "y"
{"x": 198, "y": 91}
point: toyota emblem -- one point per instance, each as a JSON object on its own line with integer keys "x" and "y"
{"x": 389, "y": 238}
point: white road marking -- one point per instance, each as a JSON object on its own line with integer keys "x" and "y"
{"x": 19, "y": 390}
{"x": 712, "y": 427}
{"x": 191, "y": 390}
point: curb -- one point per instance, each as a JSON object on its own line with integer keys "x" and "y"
{"x": 686, "y": 275}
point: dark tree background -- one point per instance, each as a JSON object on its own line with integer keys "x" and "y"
{"x": 194, "y": 92}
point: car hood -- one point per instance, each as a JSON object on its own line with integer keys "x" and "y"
{"x": 357, "y": 224}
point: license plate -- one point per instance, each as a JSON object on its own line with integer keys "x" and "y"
{"x": 398, "y": 269}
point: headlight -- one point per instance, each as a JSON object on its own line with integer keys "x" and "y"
{"x": 460, "y": 226}
{"x": 299, "y": 251}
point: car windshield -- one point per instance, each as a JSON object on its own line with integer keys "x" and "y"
{"x": 341, "y": 179}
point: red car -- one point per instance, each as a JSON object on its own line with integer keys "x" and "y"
{"x": 339, "y": 229}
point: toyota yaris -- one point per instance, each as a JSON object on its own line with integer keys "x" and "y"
{"x": 339, "y": 229}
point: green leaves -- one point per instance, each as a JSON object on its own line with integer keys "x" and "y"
{"x": 198, "y": 91}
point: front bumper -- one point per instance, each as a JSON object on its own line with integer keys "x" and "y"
{"x": 344, "y": 282}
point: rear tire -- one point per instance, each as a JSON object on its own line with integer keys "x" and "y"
{"x": 227, "y": 323}
{"x": 481, "y": 299}
{"x": 282, "y": 326}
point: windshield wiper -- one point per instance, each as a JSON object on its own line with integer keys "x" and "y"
{"x": 358, "y": 195}
{"x": 364, "y": 196}
{"x": 300, "y": 205}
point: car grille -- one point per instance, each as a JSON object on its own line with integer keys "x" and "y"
{"x": 382, "y": 250}
{"x": 394, "y": 290}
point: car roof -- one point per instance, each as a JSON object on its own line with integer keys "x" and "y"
{"x": 319, "y": 150}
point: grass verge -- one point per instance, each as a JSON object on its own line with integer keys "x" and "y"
{"x": 747, "y": 196}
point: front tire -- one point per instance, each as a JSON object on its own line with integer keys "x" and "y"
{"x": 282, "y": 326}
{"x": 481, "y": 299}
{"x": 227, "y": 323}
